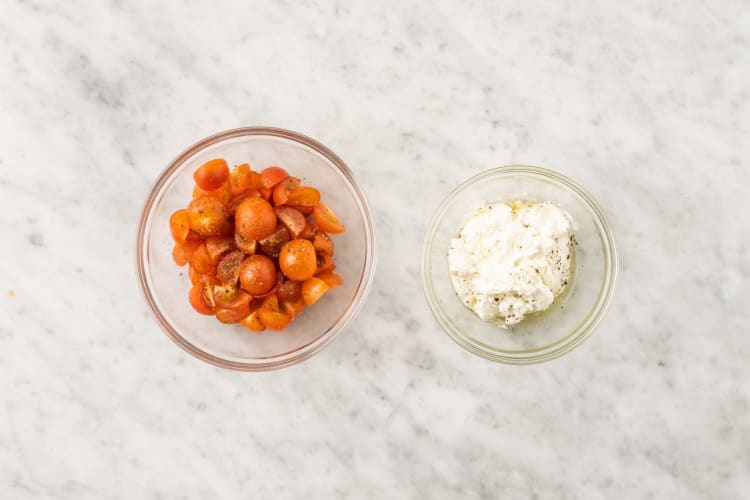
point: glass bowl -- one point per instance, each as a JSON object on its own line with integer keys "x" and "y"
{"x": 572, "y": 317}
{"x": 166, "y": 285}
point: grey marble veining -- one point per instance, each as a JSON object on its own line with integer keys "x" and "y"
{"x": 645, "y": 103}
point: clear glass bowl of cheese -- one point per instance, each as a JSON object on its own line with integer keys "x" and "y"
{"x": 573, "y": 315}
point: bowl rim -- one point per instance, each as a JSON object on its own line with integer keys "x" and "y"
{"x": 583, "y": 330}
{"x": 305, "y": 351}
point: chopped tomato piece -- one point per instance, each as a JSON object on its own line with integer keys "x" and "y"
{"x": 332, "y": 279}
{"x": 282, "y": 190}
{"x": 272, "y": 176}
{"x": 292, "y": 219}
{"x": 212, "y": 174}
{"x": 207, "y": 216}
{"x": 232, "y": 315}
{"x": 247, "y": 246}
{"x": 179, "y": 225}
{"x": 239, "y": 179}
{"x": 198, "y": 300}
{"x": 304, "y": 196}
{"x": 178, "y": 255}
{"x": 323, "y": 243}
{"x": 218, "y": 245}
{"x": 231, "y": 297}
{"x": 324, "y": 263}
{"x": 234, "y": 201}
{"x": 222, "y": 193}
{"x": 326, "y": 219}
{"x": 313, "y": 289}
{"x": 271, "y": 316}
{"x": 292, "y": 308}
{"x": 253, "y": 322}
{"x": 272, "y": 245}
{"x": 309, "y": 231}
{"x": 228, "y": 269}
{"x": 201, "y": 261}
{"x": 290, "y": 290}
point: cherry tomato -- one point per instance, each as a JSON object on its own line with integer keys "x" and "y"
{"x": 257, "y": 274}
{"x": 231, "y": 297}
{"x": 218, "y": 245}
{"x": 282, "y": 190}
{"x": 198, "y": 300}
{"x": 309, "y": 231}
{"x": 247, "y": 246}
{"x": 271, "y": 316}
{"x": 179, "y": 225}
{"x": 271, "y": 246}
{"x": 228, "y": 269}
{"x": 323, "y": 243}
{"x": 292, "y": 308}
{"x": 304, "y": 196}
{"x": 324, "y": 263}
{"x": 289, "y": 290}
{"x": 256, "y": 180}
{"x": 234, "y": 201}
{"x": 313, "y": 289}
{"x": 221, "y": 193}
{"x": 326, "y": 219}
{"x": 198, "y": 278}
{"x": 297, "y": 260}
{"x": 255, "y": 219}
{"x": 229, "y": 316}
{"x": 253, "y": 322}
{"x": 292, "y": 219}
{"x": 272, "y": 176}
{"x": 201, "y": 261}
{"x": 212, "y": 174}
{"x": 207, "y": 216}
{"x": 178, "y": 255}
{"x": 304, "y": 210}
{"x": 332, "y": 279}
{"x": 239, "y": 179}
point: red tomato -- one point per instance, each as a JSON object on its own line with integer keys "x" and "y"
{"x": 207, "y": 216}
{"x": 201, "y": 261}
{"x": 228, "y": 269}
{"x": 212, "y": 174}
{"x": 257, "y": 274}
{"x": 282, "y": 190}
{"x": 255, "y": 219}
{"x": 271, "y": 246}
{"x": 324, "y": 263}
{"x": 309, "y": 231}
{"x": 297, "y": 260}
{"x": 235, "y": 201}
{"x": 272, "y": 176}
{"x": 178, "y": 255}
{"x": 239, "y": 179}
{"x": 247, "y": 246}
{"x": 218, "y": 245}
{"x": 323, "y": 243}
{"x": 313, "y": 289}
{"x": 231, "y": 297}
{"x": 304, "y": 196}
{"x": 289, "y": 290}
{"x": 229, "y": 316}
{"x": 292, "y": 308}
{"x": 292, "y": 219}
{"x": 271, "y": 315}
{"x": 304, "y": 210}
{"x": 222, "y": 193}
{"x": 326, "y": 219}
{"x": 332, "y": 279}
{"x": 253, "y": 322}
{"x": 198, "y": 300}
{"x": 179, "y": 225}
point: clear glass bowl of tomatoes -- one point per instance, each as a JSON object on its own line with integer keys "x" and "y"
{"x": 331, "y": 297}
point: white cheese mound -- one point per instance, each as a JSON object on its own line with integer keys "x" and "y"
{"x": 512, "y": 259}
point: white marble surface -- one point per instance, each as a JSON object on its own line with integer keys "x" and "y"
{"x": 645, "y": 103}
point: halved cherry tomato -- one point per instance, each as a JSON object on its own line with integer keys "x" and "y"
{"x": 326, "y": 219}
{"x": 332, "y": 279}
{"x": 304, "y": 196}
{"x": 306, "y": 211}
{"x": 179, "y": 225}
{"x": 309, "y": 231}
{"x": 274, "y": 288}
{"x": 198, "y": 278}
{"x": 289, "y": 290}
{"x": 228, "y": 269}
{"x": 297, "y": 260}
{"x": 212, "y": 174}
{"x": 323, "y": 243}
{"x": 207, "y": 216}
{"x": 234, "y": 201}
{"x": 272, "y": 176}
{"x": 256, "y": 180}
{"x": 292, "y": 219}
{"x": 257, "y": 274}
{"x": 247, "y": 246}
{"x": 198, "y": 300}
{"x": 271, "y": 246}
{"x": 222, "y": 193}
{"x": 201, "y": 261}
{"x": 255, "y": 219}
{"x": 324, "y": 263}
{"x": 292, "y": 308}
{"x": 239, "y": 179}
{"x": 271, "y": 316}
{"x": 282, "y": 190}
{"x": 178, "y": 255}
{"x": 313, "y": 289}
{"x": 229, "y": 316}
{"x": 218, "y": 245}
{"x": 231, "y": 297}
{"x": 252, "y": 321}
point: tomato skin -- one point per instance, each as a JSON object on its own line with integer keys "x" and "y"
{"x": 271, "y": 176}
{"x": 212, "y": 174}
{"x": 198, "y": 300}
{"x": 234, "y": 201}
{"x": 207, "y": 216}
{"x": 178, "y": 255}
{"x": 292, "y": 219}
{"x": 257, "y": 274}
{"x": 201, "y": 261}
{"x": 271, "y": 315}
{"x": 239, "y": 179}
{"x": 272, "y": 245}
{"x": 247, "y": 246}
{"x": 229, "y": 316}
{"x": 222, "y": 193}
{"x": 228, "y": 268}
{"x": 292, "y": 308}
{"x": 325, "y": 263}
{"x": 179, "y": 225}
{"x": 297, "y": 260}
{"x": 231, "y": 297}
{"x": 253, "y": 322}
{"x": 309, "y": 231}
{"x": 255, "y": 219}
{"x": 282, "y": 190}
{"x": 289, "y": 291}
{"x": 326, "y": 219}
{"x": 218, "y": 245}
{"x": 323, "y": 243}
{"x": 304, "y": 196}
{"x": 332, "y": 279}
{"x": 313, "y": 289}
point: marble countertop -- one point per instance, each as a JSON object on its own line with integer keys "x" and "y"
{"x": 644, "y": 103}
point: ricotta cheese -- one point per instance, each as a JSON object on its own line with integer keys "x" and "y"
{"x": 512, "y": 259}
